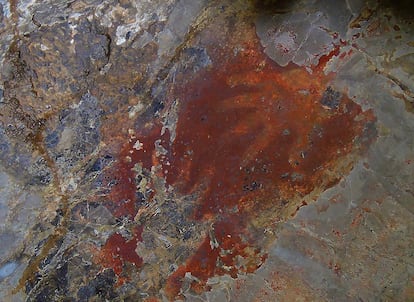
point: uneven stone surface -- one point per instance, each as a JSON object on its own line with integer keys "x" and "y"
{"x": 206, "y": 150}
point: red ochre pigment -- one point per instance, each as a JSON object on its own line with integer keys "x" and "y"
{"x": 123, "y": 193}
{"x": 250, "y": 135}
{"x": 119, "y": 250}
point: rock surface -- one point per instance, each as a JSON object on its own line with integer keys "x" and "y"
{"x": 178, "y": 150}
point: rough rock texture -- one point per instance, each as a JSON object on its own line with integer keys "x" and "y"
{"x": 185, "y": 150}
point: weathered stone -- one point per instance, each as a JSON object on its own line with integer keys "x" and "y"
{"x": 178, "y": 150}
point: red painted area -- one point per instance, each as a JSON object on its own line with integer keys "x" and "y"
{"x": 119, "y": 250}
{"x": 323, "y": 60}
{"x": 123, "y": 193}
{"x": 250, "y": 137}
{"x": 246, "y": 126}
{"x": 227, "y": 250}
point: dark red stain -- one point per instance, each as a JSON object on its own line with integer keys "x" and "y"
{"x": 123, "y": 194}
{"x": 247, "y": 130}
{"x": 119, "y": 250}
{"x": 250, "y": 136}
{"x": 324, "y": 59}
{"x": 228, "y": 245}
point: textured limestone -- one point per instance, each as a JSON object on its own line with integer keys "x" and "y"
{"x": 122, "y": 175}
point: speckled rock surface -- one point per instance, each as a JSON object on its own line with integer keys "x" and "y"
{"x": 185, "y": 150}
